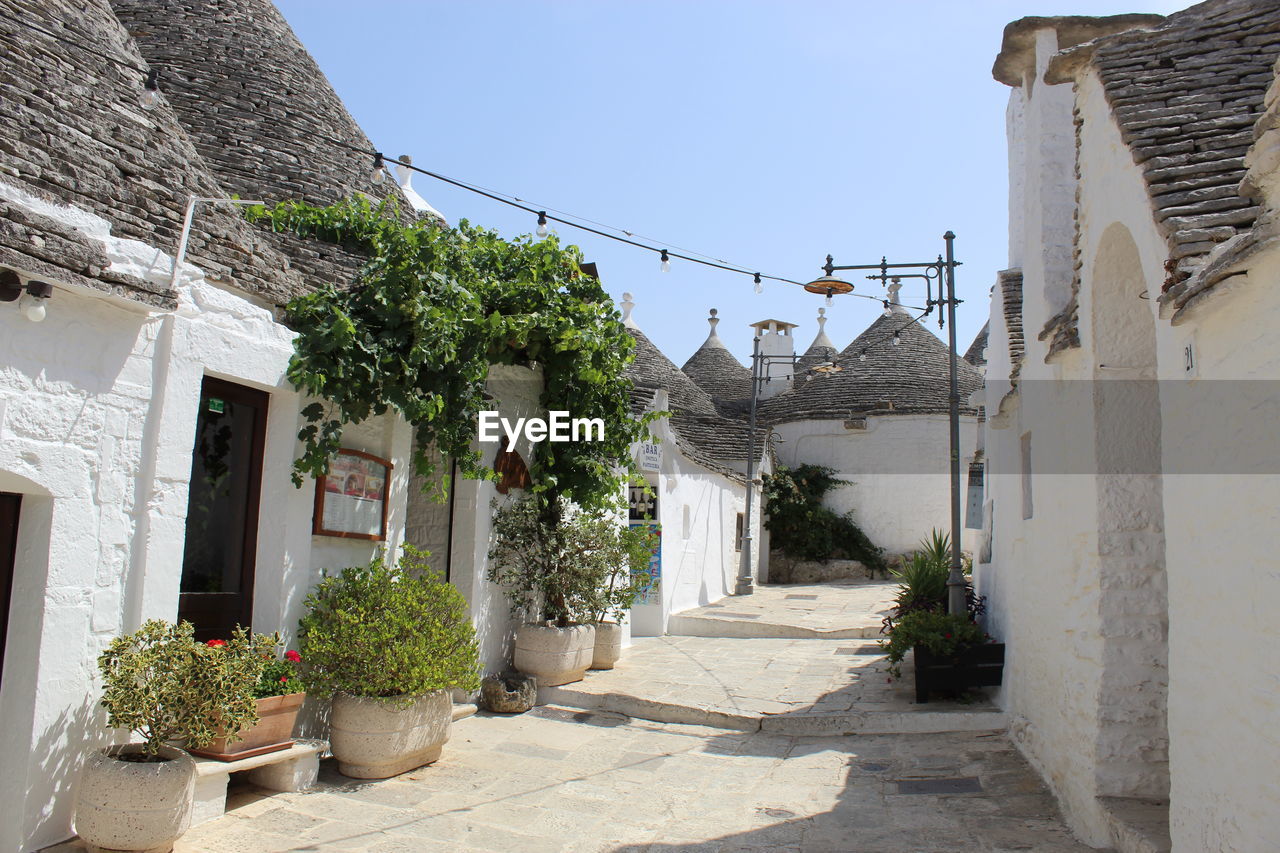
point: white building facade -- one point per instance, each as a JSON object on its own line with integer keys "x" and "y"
{"x": 1132, "y": 472}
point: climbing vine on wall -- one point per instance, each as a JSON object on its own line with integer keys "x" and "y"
{"x": 432, "y": 309}
{"x": 801, "y": 527}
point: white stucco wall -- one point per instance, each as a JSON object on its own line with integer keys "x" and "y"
{"x": 698, "y": 510}
{"x": 899, "y": 482}
{"x": 98, "y": 409}
{"x": 1222, "y": 509}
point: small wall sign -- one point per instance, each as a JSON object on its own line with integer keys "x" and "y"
{"x": 351, "y": 500}
{"x": 650, "y": 456}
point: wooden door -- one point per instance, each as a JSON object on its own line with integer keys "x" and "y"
{"x": 10, "y": 504}
{"x": 222, "y": 510}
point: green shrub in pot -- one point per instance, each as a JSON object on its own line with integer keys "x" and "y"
{"x": 388, "y": 642}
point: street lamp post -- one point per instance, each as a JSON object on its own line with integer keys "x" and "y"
{"x": 943, "y": 271}
{"x": 759, "y": 377}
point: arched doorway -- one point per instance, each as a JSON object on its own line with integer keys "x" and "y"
{"x": 1133, "y": 734}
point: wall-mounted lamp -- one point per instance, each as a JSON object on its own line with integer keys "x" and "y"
{"x": 32, "y": 295}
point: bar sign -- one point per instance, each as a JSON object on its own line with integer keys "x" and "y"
{"x": 217, "y": 406}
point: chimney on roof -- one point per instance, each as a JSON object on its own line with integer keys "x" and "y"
{"x": 778, "y": 356}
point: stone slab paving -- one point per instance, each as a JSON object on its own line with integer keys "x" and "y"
{"x": 788, "y": 686}
{"x": 837, "y": 610}
{"x": 558, "y": 780}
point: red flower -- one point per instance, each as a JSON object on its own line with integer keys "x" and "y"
{"x": 948, "y": 636}
{"x": 216, "y": 643}
{"x": 293, "y": 656}
{"x": 283, "y": 679}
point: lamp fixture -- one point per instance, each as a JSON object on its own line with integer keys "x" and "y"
{"x": 30, "y": 298}
{"x": 666, "y": 262}
{"x": 150, "y": 97}
{"x": 542, "y": 224}
{"x": 862, "y": 356}
{"x": 759, "y": 284}
{"x": 897, "y": 339}
{"x": 379, "y": 173}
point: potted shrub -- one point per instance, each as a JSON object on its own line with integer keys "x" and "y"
{"x": 162, "y": 685}
{"x": 278, "y": 697}
{"x": 388, "y": 643}
{"x": 952, "y": 652}
{"x": 544, "y": 554}
{"x": 624, "y": 554}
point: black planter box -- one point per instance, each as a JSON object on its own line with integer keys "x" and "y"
{"x": 980, "y": 666}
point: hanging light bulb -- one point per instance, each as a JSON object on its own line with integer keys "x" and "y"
{"x": 666, "y": 262}
{"x": 542, "y": 224}
{"x": 379, "y": 173}
{"x": 888, "y": 310}
{"x": 759, "y": 284}
{"x": 150, "y": 97}
{"x": 830, "y": 301}
{"x": 862, "y": 356}
{"x": 32, "y": 304}
{"x": 897, "y": 339}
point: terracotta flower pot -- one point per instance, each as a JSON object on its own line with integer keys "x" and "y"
{"x": 274, "y": 731}
{"x": 380, "y": 738}
{"x": 134, "y": 805}
{"x": 608, "y": 645}
{"x": 555, "y": 655}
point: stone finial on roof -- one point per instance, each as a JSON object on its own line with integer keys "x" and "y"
{"x": 405, "y": 176}
{"x": 627, "y": 307}
{"x": 713, "y": 339}
{"x": 821, "y": 341}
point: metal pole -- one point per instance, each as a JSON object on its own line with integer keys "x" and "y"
{"x": 956, "y": 605}
{"x": 744, "y": 570}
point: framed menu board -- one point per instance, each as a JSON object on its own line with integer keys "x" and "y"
{"x": 351, "y": 500}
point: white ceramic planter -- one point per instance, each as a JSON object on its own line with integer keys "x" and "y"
{"x": 608, "y": 645}
{"x": 380, "y": 738}
{"x": 133, "y": 805}
{"x": 555, "y": 655}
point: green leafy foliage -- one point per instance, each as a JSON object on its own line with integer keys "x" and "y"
{"x": 280, "y": 676}
{"x": 382, "y": 631}
{"x": 941, "y": 633}
{"x": 920, "y": 605}
{"x": 432, "y": 309}
{"x": 565, "y": 564}
{"x": 802, "y": 528}
{"x": 162, "y": 684}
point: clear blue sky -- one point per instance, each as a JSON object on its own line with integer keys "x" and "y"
{"x": 766, "y": 134}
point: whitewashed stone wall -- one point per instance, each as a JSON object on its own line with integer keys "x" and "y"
{"x": 900, "y": 485}
{"x": 1223, "y": 582}
{"x": 98, "y": 410}
{"x": 698, "y": 510}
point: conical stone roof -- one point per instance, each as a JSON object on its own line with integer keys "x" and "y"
{"x": 910, "y": 378}
{"x": 715, "y": 370}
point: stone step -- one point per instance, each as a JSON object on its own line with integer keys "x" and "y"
{"x": 1138, "y": 825}
{"x": 727, "y": 627}
{"x": 796, "y": 724}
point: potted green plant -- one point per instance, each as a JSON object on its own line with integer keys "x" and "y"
{"x": 388, "y": 643}
{"x": 951, "y": 651}
{"x": 623, "y": 554}
{"x": 278, "y": 697}
{"x": 544, "y": 555}
{"x": 162, "y": 685}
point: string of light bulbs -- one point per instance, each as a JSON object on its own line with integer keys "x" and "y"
{"x": 151, "y": 98}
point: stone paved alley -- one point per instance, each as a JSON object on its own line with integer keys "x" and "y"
{"x": 776, "y": 770}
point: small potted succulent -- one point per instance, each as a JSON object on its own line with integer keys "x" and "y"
{"x": 388, "y": 643}
{"x": 162, "y": 685}
{"x": 278, "y": 697}
{"x": 543, "y": 554}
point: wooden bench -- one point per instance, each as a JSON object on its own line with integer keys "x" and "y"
{"x": 292, "y": 769}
